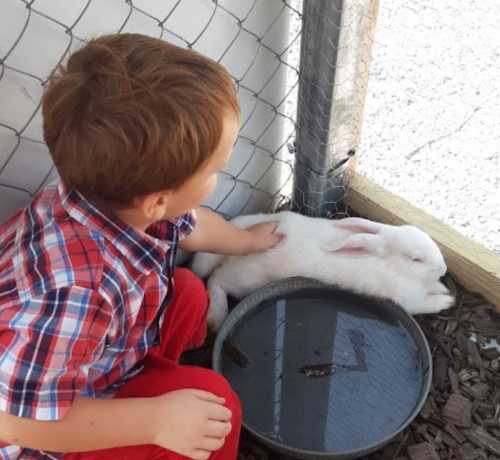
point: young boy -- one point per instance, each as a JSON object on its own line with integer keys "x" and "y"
{"x": 93, "y": 314}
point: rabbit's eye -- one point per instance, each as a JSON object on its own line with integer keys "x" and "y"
{"x": 416, "y": 259}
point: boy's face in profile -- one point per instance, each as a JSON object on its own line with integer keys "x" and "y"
{"x": 201, "y": 185}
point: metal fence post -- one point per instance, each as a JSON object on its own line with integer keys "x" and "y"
{"x": 335, "y": 52}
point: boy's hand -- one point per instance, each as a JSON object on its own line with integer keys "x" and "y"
{"x": 191, "y": 422}
{"x": 262, "y": 237}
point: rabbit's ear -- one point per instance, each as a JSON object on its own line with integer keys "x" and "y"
{"x": 360, "y": 244}
{"x": 358, "y": 225}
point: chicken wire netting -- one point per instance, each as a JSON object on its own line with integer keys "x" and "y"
{"x": 259, "y": 43}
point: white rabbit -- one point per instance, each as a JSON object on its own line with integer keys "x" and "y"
{"x": 401, "y": 263}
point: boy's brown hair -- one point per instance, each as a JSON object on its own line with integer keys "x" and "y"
{"x": 130, "y": 115}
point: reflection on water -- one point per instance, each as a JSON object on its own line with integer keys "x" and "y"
{"x": 371, "y": 382}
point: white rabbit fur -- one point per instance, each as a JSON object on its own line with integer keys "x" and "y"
{"x": 401, "y": 263}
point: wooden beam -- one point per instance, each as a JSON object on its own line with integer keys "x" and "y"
{"x": 474, "y": 266}
{"x": 363, "y": 59}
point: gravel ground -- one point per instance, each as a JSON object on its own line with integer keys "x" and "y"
{"x": 430, "y": 131}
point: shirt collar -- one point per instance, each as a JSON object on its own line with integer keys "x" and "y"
{"x": 144, "y": 252}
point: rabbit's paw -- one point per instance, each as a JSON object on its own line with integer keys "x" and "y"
{"x": 218, "y": 308}
{"x": 438, "y": 288}
{"x": 434, "y": 303}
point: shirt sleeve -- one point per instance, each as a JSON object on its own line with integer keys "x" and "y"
{"x": 46, "y": 347}
{"x": 175, "y": 229}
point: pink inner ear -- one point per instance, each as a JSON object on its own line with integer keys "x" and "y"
{"x": 352, "y": 251}
{"x": 358, "y": 225}
{"x": 359, "y": 229}
{"x": 358, "y": 244}
{"x": 349, "y": 251}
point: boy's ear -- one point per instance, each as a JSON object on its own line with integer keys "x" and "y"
{"x": 153, "y": 205}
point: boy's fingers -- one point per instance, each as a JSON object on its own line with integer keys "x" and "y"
{"x": 219, "y": 412}
{"x": 275, "y": 232}
{"x": 212, "y": 443}
{"x": 200, "y": 454}
{"x": 207, "y": 396}
{"x": 274, "y": 224}
{"x": 215, "y": 407}
{"x": 218, "y": 429}
{"x": 280, "y": 236}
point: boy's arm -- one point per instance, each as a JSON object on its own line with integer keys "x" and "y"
{"x": 187, "y": 421}
{"x": 89, "y": 424}
{"x": 213, "y": 233}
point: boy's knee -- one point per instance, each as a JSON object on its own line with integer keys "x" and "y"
{"x": 234, "y": 405}
{"x": 219, "y": 385}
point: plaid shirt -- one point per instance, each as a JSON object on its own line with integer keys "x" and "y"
{"x": 82, "y": 298}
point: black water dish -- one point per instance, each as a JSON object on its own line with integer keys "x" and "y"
{"x": 323, "y": 373}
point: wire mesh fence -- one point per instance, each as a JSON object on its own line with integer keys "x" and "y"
{"x": 259, "y": 43}
{"x": 40, "y": 35}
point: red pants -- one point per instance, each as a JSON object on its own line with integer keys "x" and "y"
{"x": 184, "y": 328}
